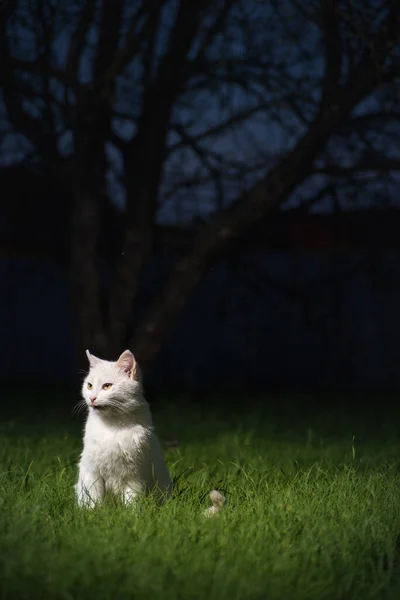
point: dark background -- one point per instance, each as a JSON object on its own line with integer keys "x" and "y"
{"x": 213, "y": 184}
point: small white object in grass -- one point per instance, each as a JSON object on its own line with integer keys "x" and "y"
{"x": 218, "y": 500}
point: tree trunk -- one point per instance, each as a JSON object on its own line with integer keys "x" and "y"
{"x": 89, "y": 328}
{"x": 144, "y": 161}
{"x": 88, "y": 176}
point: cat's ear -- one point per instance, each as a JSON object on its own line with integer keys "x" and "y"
{"x": 128, "y": 364}
{"x": 93, "y": 360}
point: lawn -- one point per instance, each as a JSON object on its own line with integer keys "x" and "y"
{"x": 314, "y": 507}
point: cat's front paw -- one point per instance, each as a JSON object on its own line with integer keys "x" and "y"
{"x": 88, "y": 497}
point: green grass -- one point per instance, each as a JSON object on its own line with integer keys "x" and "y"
{"x": 314, "y": 510}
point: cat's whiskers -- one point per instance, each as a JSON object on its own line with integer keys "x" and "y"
{"x": 79, "y": 408}
{"x": 114, "y": 404}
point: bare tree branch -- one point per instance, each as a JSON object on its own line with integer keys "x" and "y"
{"x": 21, "y": 119}
{"x": 109, "y": 29}
{"x": 78, "y": 41}
{"x": 131, "y": 45}
{"x": 223, "y": 126}
{"x": 333, "y": 50}
{"x": 363, "y": 166}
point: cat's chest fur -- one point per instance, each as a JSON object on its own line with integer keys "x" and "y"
{"x": 116, "y": 453}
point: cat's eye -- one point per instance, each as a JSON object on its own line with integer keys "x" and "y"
{"x": 89, "y": 385}
{"x": 107, "y": 386}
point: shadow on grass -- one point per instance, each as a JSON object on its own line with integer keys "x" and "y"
{"x": 309, "y": 419}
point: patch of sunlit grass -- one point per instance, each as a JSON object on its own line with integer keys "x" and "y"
{"x": 313, "y": 513}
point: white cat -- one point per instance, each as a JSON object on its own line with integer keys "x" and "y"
{"x": 121, "y": 452}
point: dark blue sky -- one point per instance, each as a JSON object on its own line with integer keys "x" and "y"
{"x": 257, "y": 142}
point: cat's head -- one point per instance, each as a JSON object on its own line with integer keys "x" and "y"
{"x": 112, "y": 386}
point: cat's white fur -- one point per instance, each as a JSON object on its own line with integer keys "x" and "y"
{"x": 121, "y": 452}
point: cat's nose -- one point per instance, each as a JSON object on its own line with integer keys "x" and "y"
{"x": 92, "y": 399}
